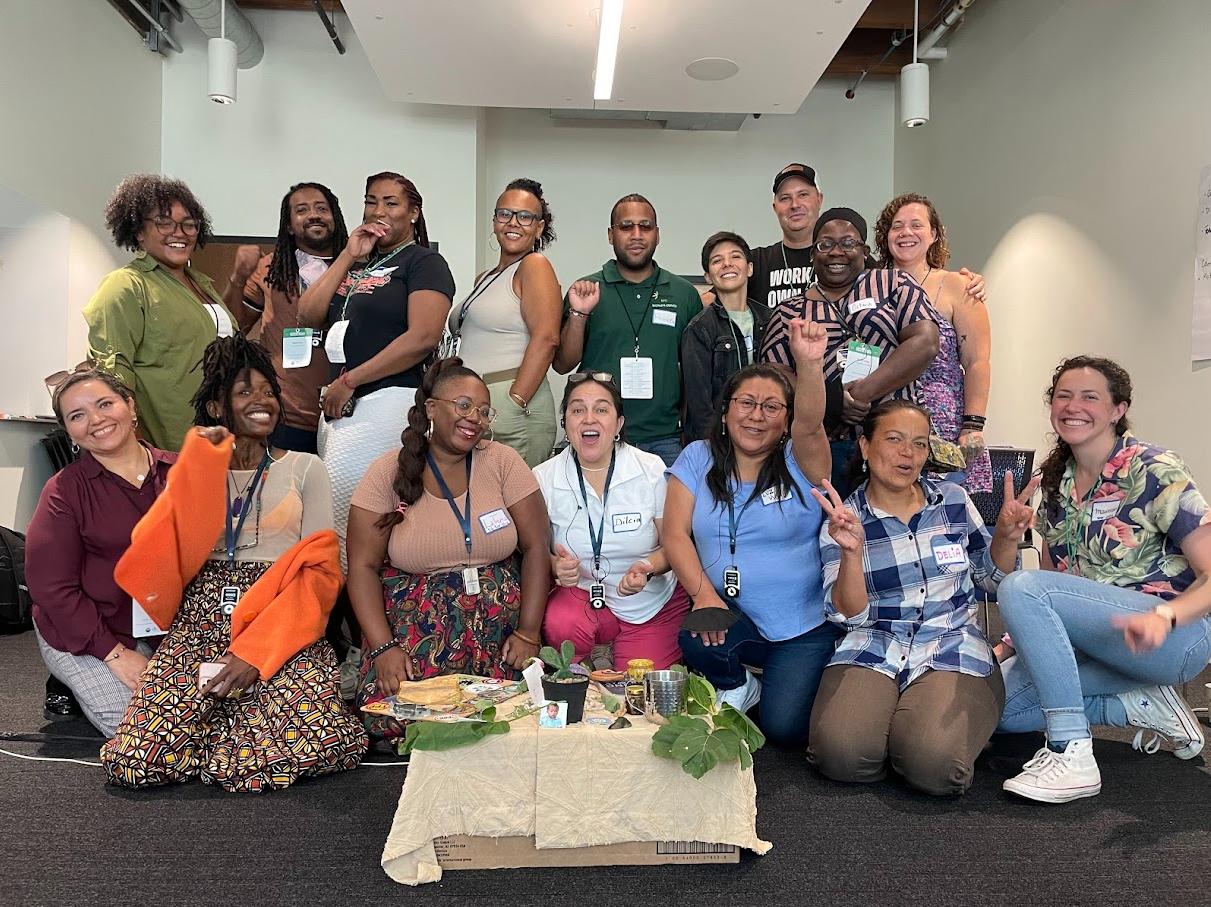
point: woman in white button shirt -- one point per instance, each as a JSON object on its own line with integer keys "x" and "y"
{"x": 605, "y": 499}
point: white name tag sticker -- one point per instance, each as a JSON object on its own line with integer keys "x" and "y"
{"x": 771, "y": 496}
{"x": 141, "y": 624}
{"x": 950, "y": 555}
{"x": 627, "y": 522}
{"x": 861, "y": 305}
{"x": 334, "y": 343}
{"x": 296, "y": 347}
{"x": 666, "y": 317}
{"x": 636, "y": 378}
{"x": 1103, "y": 510}
{"x": 495, "y": 521}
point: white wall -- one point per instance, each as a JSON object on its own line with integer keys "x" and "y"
{"x": 307, "y": 113}
{"x": 700, "y": 182}
{"x": 80, "y": 110}
{"x": 1063, "y": 154}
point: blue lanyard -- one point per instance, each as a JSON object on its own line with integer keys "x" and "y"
{"x": 464, "y": 519}
{"x": 734, "y": 521}
{"x": 232, "y": 534}
{"x": 598, "y": 538}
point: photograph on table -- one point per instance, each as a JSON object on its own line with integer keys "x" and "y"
{"x": 553, "y": 714}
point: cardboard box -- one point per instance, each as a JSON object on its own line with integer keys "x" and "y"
{"x": 467, "y": 852}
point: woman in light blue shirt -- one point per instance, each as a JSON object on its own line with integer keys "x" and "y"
{"x": 745, "y": 495}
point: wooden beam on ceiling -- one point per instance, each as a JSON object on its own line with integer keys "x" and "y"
{"x": 896, "y": 14}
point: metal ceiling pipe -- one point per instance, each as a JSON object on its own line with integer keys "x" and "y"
{"x": 208, "y": 13}
{"x": 926, "y": 50}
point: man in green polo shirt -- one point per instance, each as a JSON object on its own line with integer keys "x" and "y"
{"x": 627, "y": 319}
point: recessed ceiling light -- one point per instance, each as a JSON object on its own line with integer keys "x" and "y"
{"x": 712, "y": 69}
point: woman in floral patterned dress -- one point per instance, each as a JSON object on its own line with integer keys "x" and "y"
{"x": 1119, "y": 612}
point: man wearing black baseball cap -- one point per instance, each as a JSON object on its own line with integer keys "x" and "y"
{"x": 783, "y": 270}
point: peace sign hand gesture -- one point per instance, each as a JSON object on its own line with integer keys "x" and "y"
{"x": 844, "y": 527}
{"x": 1016, "y": 516}
{"x": 808, "y": 341}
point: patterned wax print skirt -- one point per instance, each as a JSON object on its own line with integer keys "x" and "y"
{"x": 279, "y": 730}
{"x": 446, "y": 631}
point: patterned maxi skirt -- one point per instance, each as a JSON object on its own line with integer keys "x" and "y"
{"x": 445, "y": 631}
{"x": 279, "y": 730}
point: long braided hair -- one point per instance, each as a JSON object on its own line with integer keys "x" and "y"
{"x": 226, "y": 361}
{"x": 284, "y": 268}
{"x": 419, "y": 230}
{"x": 414, "y": 441}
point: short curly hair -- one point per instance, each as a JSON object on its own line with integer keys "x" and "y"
{"x": 144, "y": 195}
{"x": 939, "y": 252}
{"x": 534, "y": 187}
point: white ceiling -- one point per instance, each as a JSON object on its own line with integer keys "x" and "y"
{"x": 541, "y": 53}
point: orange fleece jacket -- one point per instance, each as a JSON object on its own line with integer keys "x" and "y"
{"x": 283, "y": 612}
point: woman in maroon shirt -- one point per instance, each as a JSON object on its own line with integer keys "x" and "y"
{"x": 85, "y": 624}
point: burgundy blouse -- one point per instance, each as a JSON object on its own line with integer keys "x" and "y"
{"x": 81, "y": 528}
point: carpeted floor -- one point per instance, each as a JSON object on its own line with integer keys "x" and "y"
{"x": 68, "y": 839}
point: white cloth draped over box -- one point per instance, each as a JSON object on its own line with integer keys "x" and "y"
{"x": 576, "y": 787}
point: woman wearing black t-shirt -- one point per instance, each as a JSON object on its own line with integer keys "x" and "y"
{"x": 382, "y": 305}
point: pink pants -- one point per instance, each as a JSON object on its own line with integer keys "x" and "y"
{"x": 570, "y": 617}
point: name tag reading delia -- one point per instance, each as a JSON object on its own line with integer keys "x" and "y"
{"x": 771, "y": 496}
{"x": 494, "y": 521}
{"x": 627, "y": 522}
{"x": 1104, "y": 510}
{"x": 861, "y": 305}
{"x": 664, "y": 316}
{"x": 949, "y": 554}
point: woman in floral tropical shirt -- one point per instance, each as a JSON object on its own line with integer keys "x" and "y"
{"x": 1118, "y": 613}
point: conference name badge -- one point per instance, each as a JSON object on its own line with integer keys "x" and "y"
{"x": 861, "y": 305}
{"x": 627, "y": 522}
{"x": 494, "y": 521}
{"x": 949, "y": 554}
{"x": 1104, "y": 510}
{"x": 770, "y": 496}
{"x": 666, "y": 317}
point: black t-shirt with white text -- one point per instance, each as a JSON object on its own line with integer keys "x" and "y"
{"x": 775, "y": 278}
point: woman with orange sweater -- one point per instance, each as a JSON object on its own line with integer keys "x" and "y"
{"x": 244, "y": 691}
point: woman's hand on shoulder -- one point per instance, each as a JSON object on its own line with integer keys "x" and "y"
{"x": 975, "y": 284}
{"x": 844, "y": 527}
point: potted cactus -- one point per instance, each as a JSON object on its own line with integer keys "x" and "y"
{"x": 561, "y": 683}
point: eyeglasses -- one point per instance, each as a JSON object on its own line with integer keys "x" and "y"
{"x": 599, "y": 377}
{"x": 166, "y": 226}
{"x": 465, "y": 407}
{"x": 53, "y": 381}
{"x": 524, "y": 218}
{"x": 847, "y": 245}
{"x": 745, "y": 405}
{"x": 643, "y": 226}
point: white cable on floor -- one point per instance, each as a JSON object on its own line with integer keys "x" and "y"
{"x": 49, "y": 759}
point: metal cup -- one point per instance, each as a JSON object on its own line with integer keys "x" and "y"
{"x": 664, "y": 695}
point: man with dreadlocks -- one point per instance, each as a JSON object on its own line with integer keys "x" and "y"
{"x": 238, "y": 560}
{"x": 266, "y": 290}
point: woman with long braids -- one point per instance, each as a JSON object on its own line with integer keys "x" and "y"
{"x": 740, "y": 528}
{"x": 237, "y": 559}
{"x": 264, "y": 292}
{"x": 507, "y": 328}
{"x": 447, "y": 510}
{"x": 383, "y": 303}
{"x": 1119, "y": 613}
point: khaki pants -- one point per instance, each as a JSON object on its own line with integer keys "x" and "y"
{"x": 932, "y": 732}
{"x": 532, "y": 436}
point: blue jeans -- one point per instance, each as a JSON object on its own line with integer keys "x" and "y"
{"x": 668, "y": 449}
{"x": 791, "y": 672}
{"x": 1072, "y": 662}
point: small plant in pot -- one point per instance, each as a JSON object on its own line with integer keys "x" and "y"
{"x": 561, "y": 683}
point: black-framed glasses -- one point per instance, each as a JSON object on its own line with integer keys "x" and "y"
{"x": 847, "y": 245}
{"x": 524, "y": 218}
{"x": 643, "y": 226}
{"x": 166, "y": 226}
{"x": 745, "y": 405}
{"x": 600, "y": 377}
{"x": 53, "y": 381}
{"x": 465, "y": 407}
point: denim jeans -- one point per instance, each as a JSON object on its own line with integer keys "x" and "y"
{"x": 791, "y": 672}
{"x": 668, "y": 449}
{"x": 1072, "y": 662}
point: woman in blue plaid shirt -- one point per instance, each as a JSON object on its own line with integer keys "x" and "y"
{"x": 914, "y": 681}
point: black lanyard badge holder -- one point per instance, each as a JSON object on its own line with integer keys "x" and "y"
{"x": 597, "y": 596}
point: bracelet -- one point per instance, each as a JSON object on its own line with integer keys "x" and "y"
{"x": 977, "y": 420}
{"x": 973, "y": 426}
{"x": 345, "y": 380}
{"x": 521, "y": 402}
{"x": 114, "y": 657}
{"x": 572, "y": 311}
{"x": 375, "y": 653}
{"x": 524, "y": 638}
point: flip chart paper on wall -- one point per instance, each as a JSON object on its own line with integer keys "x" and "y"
{"x": 1202, "y": 270}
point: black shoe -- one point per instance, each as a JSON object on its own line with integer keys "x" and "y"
{"x": 60, "y": 704}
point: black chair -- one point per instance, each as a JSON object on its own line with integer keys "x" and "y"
{"x": 1021, "y": 463}
{"x": 58, "y": 448}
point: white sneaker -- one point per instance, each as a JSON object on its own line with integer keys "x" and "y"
{"x": 348, "y": 670}
{"x": 743, "y": 697}
{"x": 1059, "y": 777}
{"x": 1162, "y": 710}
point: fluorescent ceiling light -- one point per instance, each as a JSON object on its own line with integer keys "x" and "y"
{"x": 607, "y": 49}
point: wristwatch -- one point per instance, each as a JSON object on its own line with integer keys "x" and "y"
{"x": 1167, "y": 613}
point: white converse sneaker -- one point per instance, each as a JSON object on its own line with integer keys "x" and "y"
{"x": 1162, "y": 710}
{"x": 1059, "y": 777}
{"x": 744, "y": 697}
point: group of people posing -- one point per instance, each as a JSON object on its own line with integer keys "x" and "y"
{"x": 791, "y": 450}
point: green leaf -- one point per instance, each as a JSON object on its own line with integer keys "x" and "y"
{"x": 482, "y": 705}
{"x": 549, "y": 657}
{"x": 609, "y": 703}
{"x": 699, "y": 695}
{"x": 435, "y": 736}
{"x": 726, "y": 743}
{"x": 746, "y": 758}
{"x": 524, "y": 686}
{"x": 568, "y": 651}
{"x": 729, "y": 717}
{"x": 680, "y": 669}
{"x": 494, "y": 728}
{"x": 487, "y": 714}
{"x": 663, "y": 740}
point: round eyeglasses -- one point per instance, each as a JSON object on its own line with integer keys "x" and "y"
{"x": 465, "y": 407}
